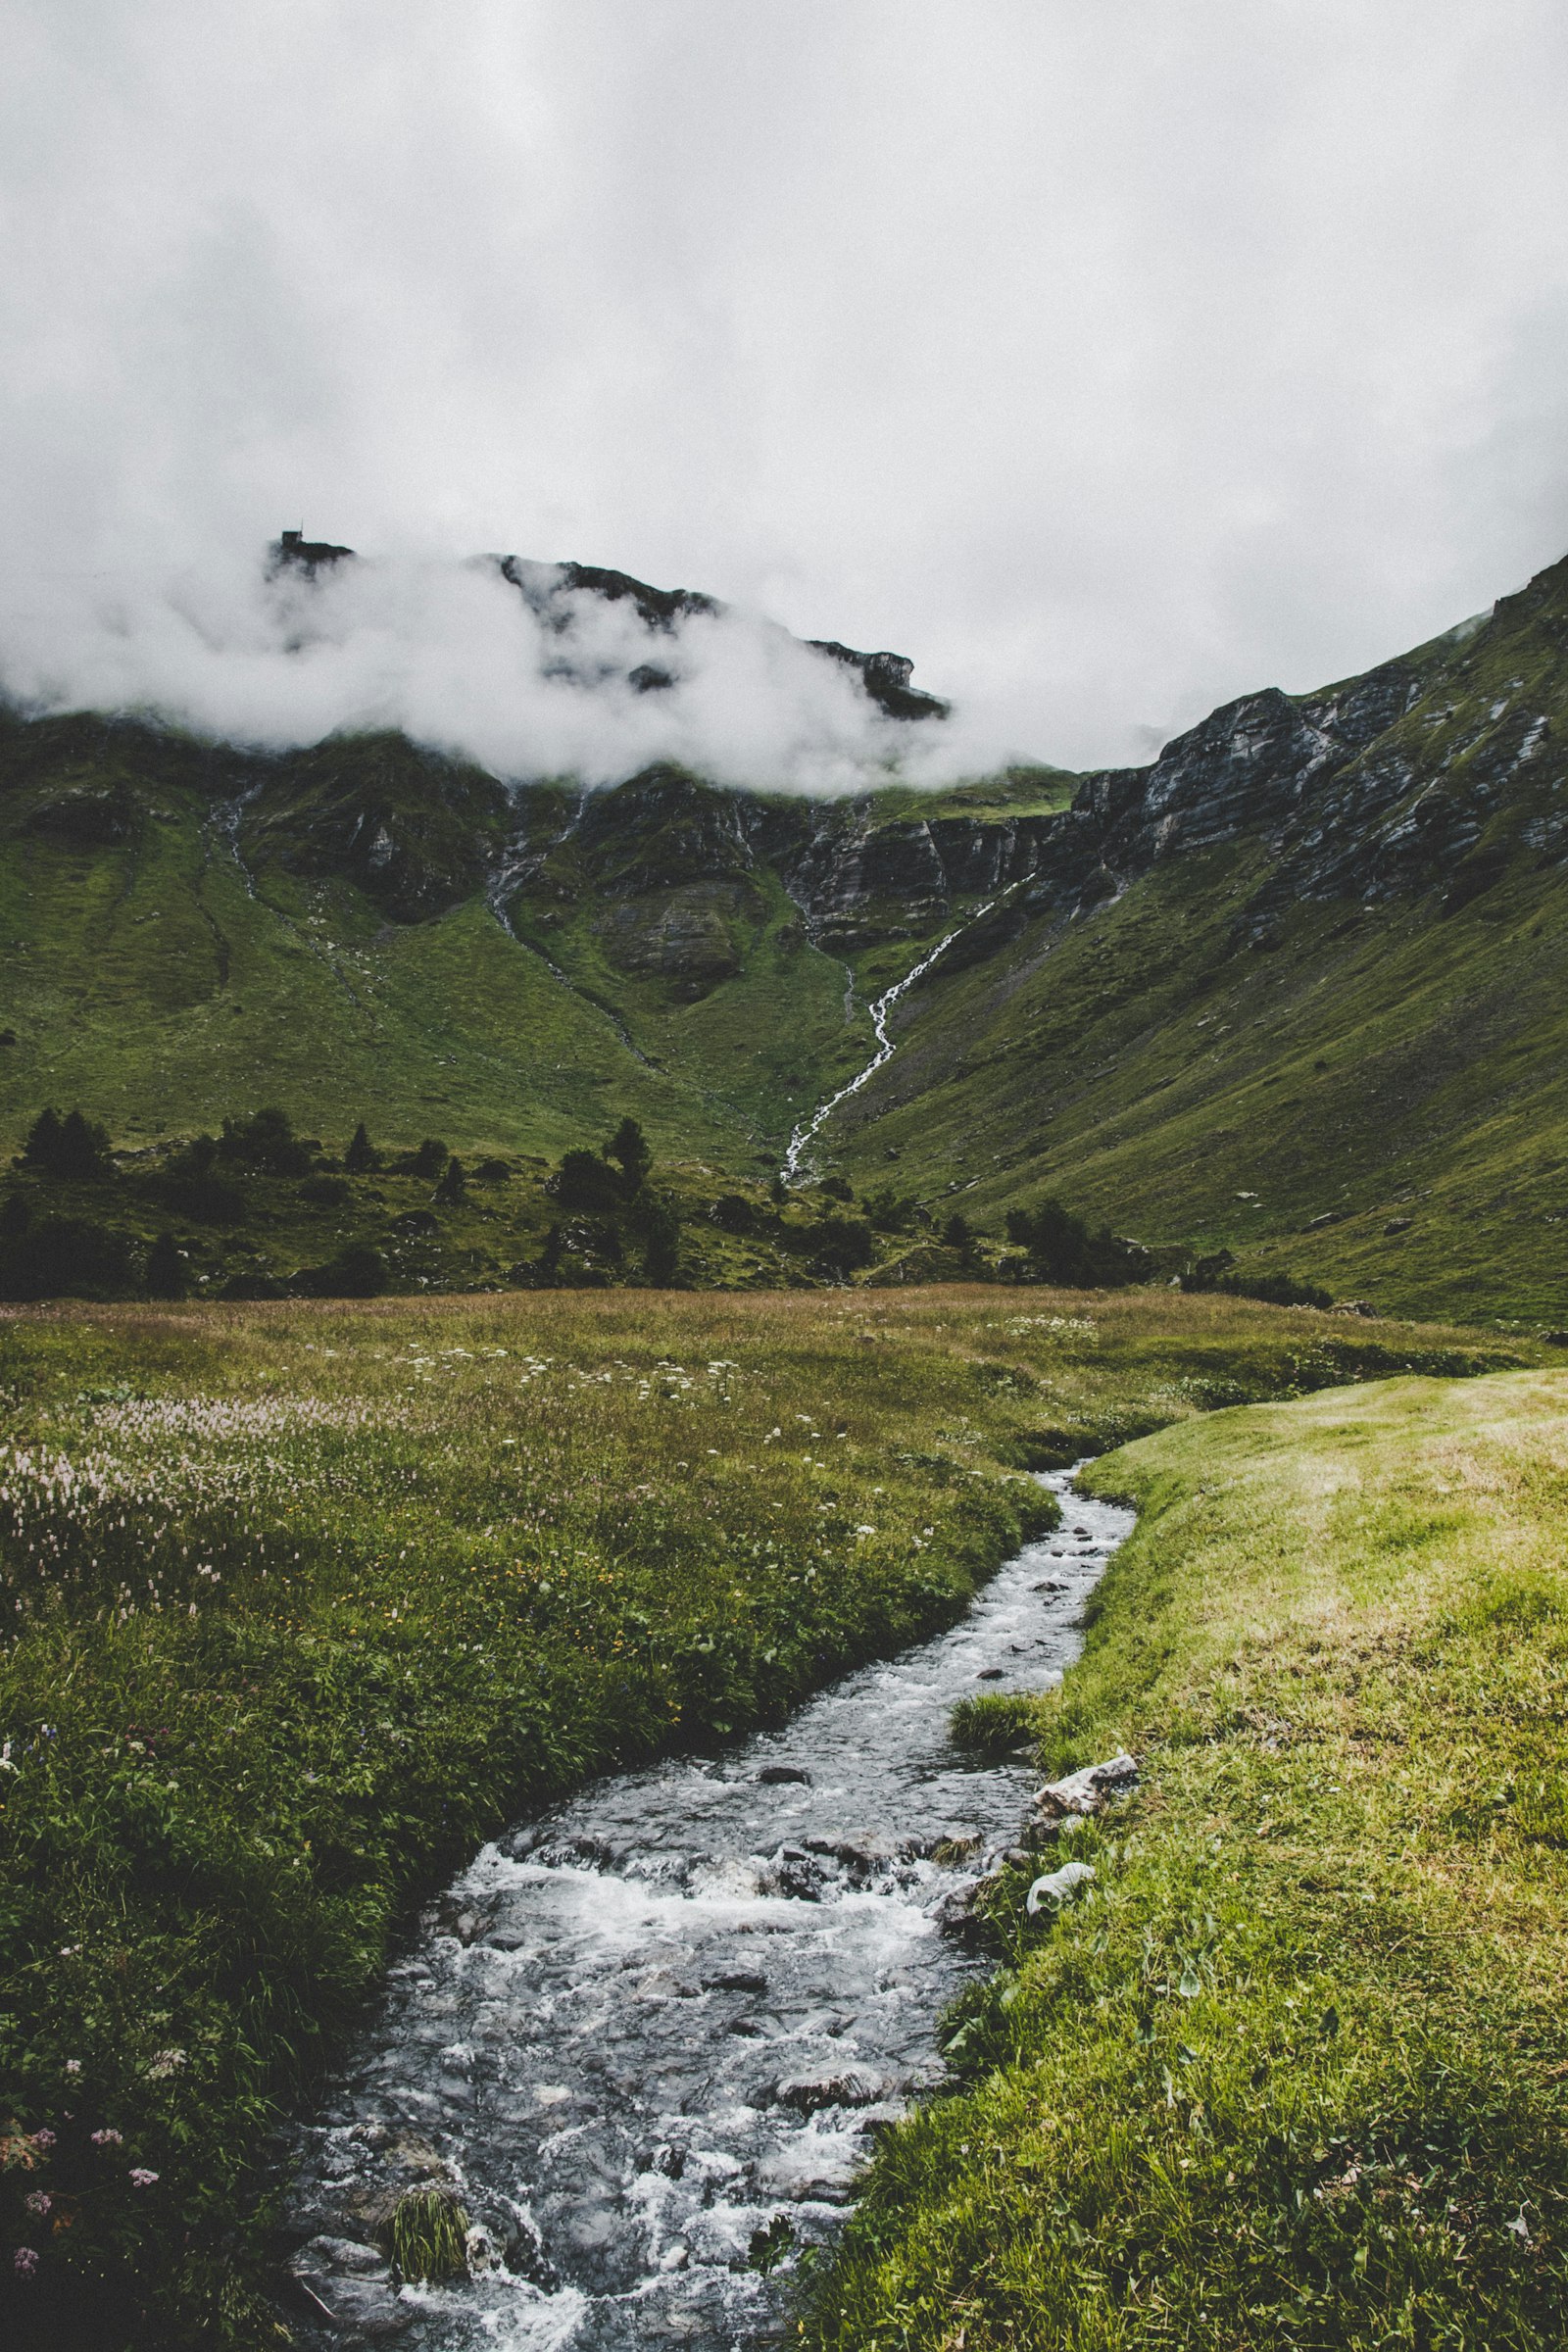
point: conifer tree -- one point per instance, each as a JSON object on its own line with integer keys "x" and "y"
{"x": 361, "y": 1156}
{"x": 629, "y": 1148}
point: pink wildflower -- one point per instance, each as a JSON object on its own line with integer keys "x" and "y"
{"x": 45, "y": 2139}
{"x": 141, "y": 2178}
{"x": 40, "y": 2201}
{"x": 25, "y": 2262}
{"x": 106, "y": 2139}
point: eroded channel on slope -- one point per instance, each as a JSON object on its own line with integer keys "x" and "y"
{"x": 640, "y": 2029}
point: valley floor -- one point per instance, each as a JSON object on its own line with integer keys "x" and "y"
{"x": 303, "y": 1602}
{"x": 1293, "y": 2073}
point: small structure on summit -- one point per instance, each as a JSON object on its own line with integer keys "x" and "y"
{"x": 291, "y": 551}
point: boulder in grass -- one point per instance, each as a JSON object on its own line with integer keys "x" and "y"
{"x": 1085, "y": 1791}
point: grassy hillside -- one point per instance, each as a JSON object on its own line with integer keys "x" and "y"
{"x": 1297, "y": 991}
{"x": 1376, "y": 1069}
{"x": 1293, "y": 2073}
{"x": 1356, "y": 1074}
{"x": 302, "y": 1602}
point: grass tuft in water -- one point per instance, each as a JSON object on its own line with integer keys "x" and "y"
{"x": 429, "y": 2236}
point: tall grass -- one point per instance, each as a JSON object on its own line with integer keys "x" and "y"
{"x": 298, "y": 1603}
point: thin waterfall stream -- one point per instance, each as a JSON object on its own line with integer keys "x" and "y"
{"x": 658, "y": 2027}
{"x": 886, "y": 1047}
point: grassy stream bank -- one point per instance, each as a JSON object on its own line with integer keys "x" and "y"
{"x": 1295, "y": 2071}
{"x": 301, "y": 1603}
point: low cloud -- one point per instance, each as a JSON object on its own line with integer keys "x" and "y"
{"x": 1107, "y": 358}
{"x": 527, "y": 674}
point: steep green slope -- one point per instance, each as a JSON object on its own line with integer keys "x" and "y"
{"x": 1295, "y": 991}
{"x": 1340, "y": 1020}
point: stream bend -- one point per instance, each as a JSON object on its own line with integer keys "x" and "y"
{"x": 673, "y": 2009}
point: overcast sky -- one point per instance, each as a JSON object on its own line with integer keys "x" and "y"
{"x": 1109, "y": 356}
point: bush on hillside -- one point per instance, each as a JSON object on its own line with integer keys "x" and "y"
{"x": 429, "y": 1161}
{"x": 71, "y": 1148}
{"x": 65, "y": 1257}
{"x": 839, "y": 1245}
{"x": 453, "y": 1184}
{"x": 266, "y": 1142}
{"x": 632, "y": 1153}
{"x": 889, "y": 1211}
{"x": 587, "y": 1182}
{"x": 168, "y": 1276}
{"x": 358, "y": 1271}
{"x": 195, "y": 1184}
{"x": 732, "y": 1212}
{"x": 1062, "y": 1248}
{"x": 656, "y": 1224}
{"x": 324, "y": 1192}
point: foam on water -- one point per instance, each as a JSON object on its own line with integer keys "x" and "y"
{"x": 675, "y": 2008}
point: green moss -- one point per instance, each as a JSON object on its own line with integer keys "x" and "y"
{"x": 1292, "y": 2073}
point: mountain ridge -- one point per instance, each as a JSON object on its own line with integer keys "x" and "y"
{"x": 194, "y": 927}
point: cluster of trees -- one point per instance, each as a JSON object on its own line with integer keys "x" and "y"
{"x": 611, "y": 1188}
{"x": 1062, "y": 1248}
{"x": 613, "y": 1217}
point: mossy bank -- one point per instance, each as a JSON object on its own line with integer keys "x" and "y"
{"x": 1292, "y": 2071}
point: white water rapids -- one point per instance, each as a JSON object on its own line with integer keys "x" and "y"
{"x": 672, "y": 2013}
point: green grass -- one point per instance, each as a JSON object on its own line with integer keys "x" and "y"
{"x": 1293, "y": 2071}
{"x": 301, "y": 1603}
{"x": 1400, "y": 1074}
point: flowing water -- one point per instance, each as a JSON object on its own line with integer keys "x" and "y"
{"x": 670, "y": 2014}
{"x": 886, "y": 1045}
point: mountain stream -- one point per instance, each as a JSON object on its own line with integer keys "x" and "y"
{"x": 886, "y": 1045}
{"x": 657, "y": 2029}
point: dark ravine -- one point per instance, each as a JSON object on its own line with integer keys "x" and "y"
{"x": 672, "y": 2013}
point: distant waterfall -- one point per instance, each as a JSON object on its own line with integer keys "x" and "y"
{"x": 886, "y": 1047}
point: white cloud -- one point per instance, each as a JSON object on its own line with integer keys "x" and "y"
{"x": 1109, "y": 360}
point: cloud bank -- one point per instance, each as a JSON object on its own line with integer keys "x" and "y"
{"x": 529, "y": 675}
{"x": 1108, "y": 359}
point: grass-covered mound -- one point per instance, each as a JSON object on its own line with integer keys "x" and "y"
{"x": 1296, "y": 2071}
{"x": 300, "y": 1603}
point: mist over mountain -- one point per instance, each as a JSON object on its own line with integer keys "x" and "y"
{"x": 528, "y": 668}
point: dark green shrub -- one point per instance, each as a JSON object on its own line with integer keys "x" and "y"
{"x": 889, "y": 1211}
{"x": 266, "y": 1142}
{"x": 429, "y": 1161}
{"x": 583, "y": 1181}
{"x": 168, "y": 1276}
{"x": 361, "y": 1157}
{"x": 629, "y": 1148}
{"x": 66, "y": 1256}
{"x": 358, "y": 1271}
{"x": 324, "y": 1192}
{"x": 839, "y": 1244}
{"x": 69, "y": 1148}
{"x": 1062, "y": 1248}
{"x": 732, "y": 1212}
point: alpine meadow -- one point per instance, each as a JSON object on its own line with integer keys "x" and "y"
{"x": 783, "y": 1425}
